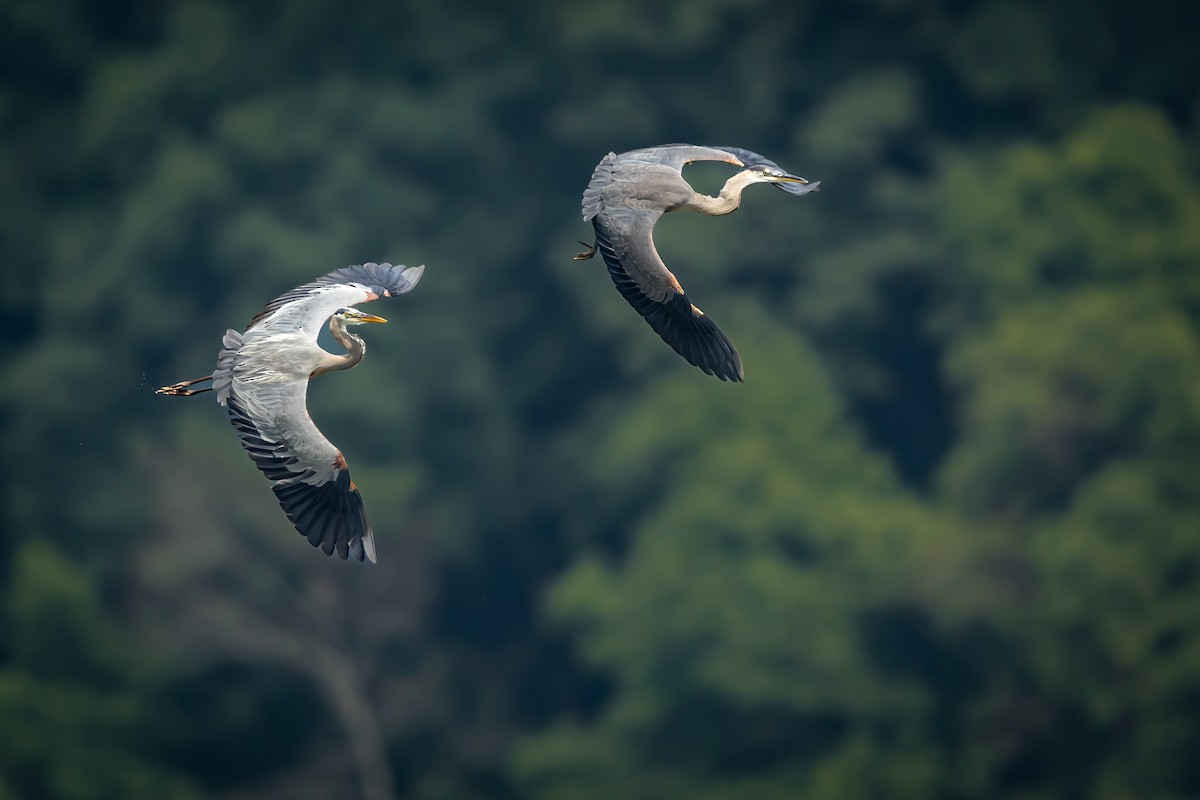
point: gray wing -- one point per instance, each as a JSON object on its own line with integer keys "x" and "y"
{"x": 677, "y": 156}
{"x": 625, "y": 240}
{"x": 650, "y": 178}
{"x": 306, "y": 307}
{"x": 308, "y": 475}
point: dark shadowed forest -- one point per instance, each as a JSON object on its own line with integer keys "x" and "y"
{"x": 943, "y": 543}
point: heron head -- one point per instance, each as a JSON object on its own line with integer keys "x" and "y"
{"x": 792, "y": 184}
{"x": 352, "y": 316}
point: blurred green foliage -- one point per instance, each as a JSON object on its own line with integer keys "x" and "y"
{"x": 942, "y": 544}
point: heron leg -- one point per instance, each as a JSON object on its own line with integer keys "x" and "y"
{"x": 586, "y": 254}
{"x": 181, "y": 389}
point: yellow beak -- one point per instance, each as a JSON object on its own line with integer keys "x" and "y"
{"x": 371, "y": 318}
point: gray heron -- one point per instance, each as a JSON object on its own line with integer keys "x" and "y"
{"x": 261, "y": 378}
{"x": 626, "y": 196}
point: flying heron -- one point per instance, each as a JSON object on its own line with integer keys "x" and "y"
{"x": 262, "y": 378}
{"x": 627, "y": 195}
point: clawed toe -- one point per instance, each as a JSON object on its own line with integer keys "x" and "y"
{"x": 586, "y": 254}
{"x": 181, "y": 389}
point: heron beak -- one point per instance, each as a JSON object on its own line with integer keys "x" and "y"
{"x": 794, "y": 184}
{"x": 371, "y": 318}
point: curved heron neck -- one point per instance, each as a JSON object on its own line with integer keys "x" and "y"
{"x": 728, "y": 200}
{"x": 356, "y": 348}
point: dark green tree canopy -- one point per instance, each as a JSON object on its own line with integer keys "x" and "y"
{"x": 942, "y": 544}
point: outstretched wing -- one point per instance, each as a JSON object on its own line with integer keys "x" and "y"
{"x": 644, "y": 177}
{"x": 308, "y": 474}
{"x": 306, "y": 307}
{"x": 677, "y": 156}
{"x": 624, "y": 238}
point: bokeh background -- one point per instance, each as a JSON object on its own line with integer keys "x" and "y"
{"x": 944, "y": 543}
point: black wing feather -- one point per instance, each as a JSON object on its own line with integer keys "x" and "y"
{"x": 383, "y": 279}
{"x": 690, "y": 333}
{"x": 329, "y": 515}
{"x": 747, "y": 157}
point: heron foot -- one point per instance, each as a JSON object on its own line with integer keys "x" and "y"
{"x": 181, "y": 389}
{"x": 586, "y": 254}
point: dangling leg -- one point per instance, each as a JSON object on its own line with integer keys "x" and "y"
{"x": 180, "y": 389}
{"x": 586, "y": 254}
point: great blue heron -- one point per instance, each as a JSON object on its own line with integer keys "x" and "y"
{"x": 262, "y": 378}
{"x": 627, "y": 195}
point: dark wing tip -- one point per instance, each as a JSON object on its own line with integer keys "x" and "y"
{"x": 330, "y": 515}
{"x": 683, "y": 326}
{"x": 694, "y": 336}
{"x": 384, "y": 279}
{"x": 799, "y": 188}
{"x": 748, "y": 157}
